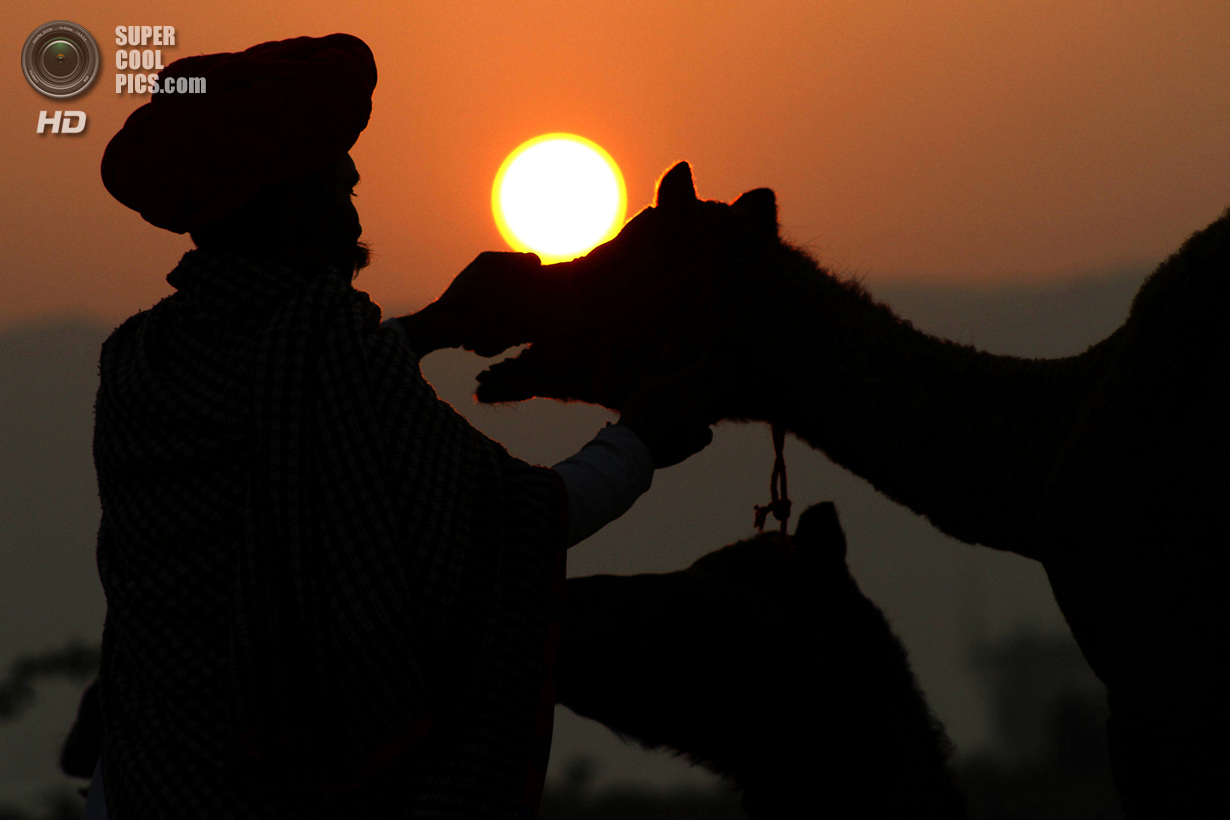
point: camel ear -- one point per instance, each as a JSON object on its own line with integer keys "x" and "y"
{"x": 675, "y": 189}
{"x": 761, "y": 206}
{"x": 819, "y": 532}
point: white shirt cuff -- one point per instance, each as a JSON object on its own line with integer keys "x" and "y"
{"x": 604, "y": 479}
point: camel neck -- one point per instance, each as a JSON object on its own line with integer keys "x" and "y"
{"x": 963, "y": 437}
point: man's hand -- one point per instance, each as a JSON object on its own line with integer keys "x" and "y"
{"x": 500, "y": 300}
{"x": 672, "y": 407}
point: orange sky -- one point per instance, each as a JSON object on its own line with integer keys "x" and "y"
{"x": 938, "y": 140}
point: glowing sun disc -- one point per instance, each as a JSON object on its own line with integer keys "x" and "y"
{"x": 558, "y": 195}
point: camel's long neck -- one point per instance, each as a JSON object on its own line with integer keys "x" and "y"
{"x": 963, "y": 437}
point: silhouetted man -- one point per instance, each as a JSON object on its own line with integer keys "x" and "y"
{"x": 327, "y": 594}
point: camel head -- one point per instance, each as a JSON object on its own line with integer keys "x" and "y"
{"x": 766, "y": 665}
{"x": 714, "y": 661}
{"x": 647, "y": 293}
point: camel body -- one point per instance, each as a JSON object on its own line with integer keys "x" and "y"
{"x": 1111, "y": 468}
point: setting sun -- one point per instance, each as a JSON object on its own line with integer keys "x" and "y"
{"x": 558, "y": 195}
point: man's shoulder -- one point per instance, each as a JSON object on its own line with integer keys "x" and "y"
{"x": 393, "y": 366}
{"x": 129, "y": 329}
{"x": 391, "y": 331}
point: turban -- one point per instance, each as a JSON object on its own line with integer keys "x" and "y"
{"x": 267, "y": 115}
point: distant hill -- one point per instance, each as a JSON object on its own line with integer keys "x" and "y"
{"x": 1059, "y": 319}
{"x": 48, "y": 500}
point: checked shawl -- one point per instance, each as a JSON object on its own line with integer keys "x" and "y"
{"x": 327, "y": 594}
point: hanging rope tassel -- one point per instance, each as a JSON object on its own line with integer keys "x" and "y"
{"x": 779, "y": 505}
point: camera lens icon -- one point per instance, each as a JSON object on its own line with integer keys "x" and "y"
{"x": 60, "y": 59}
